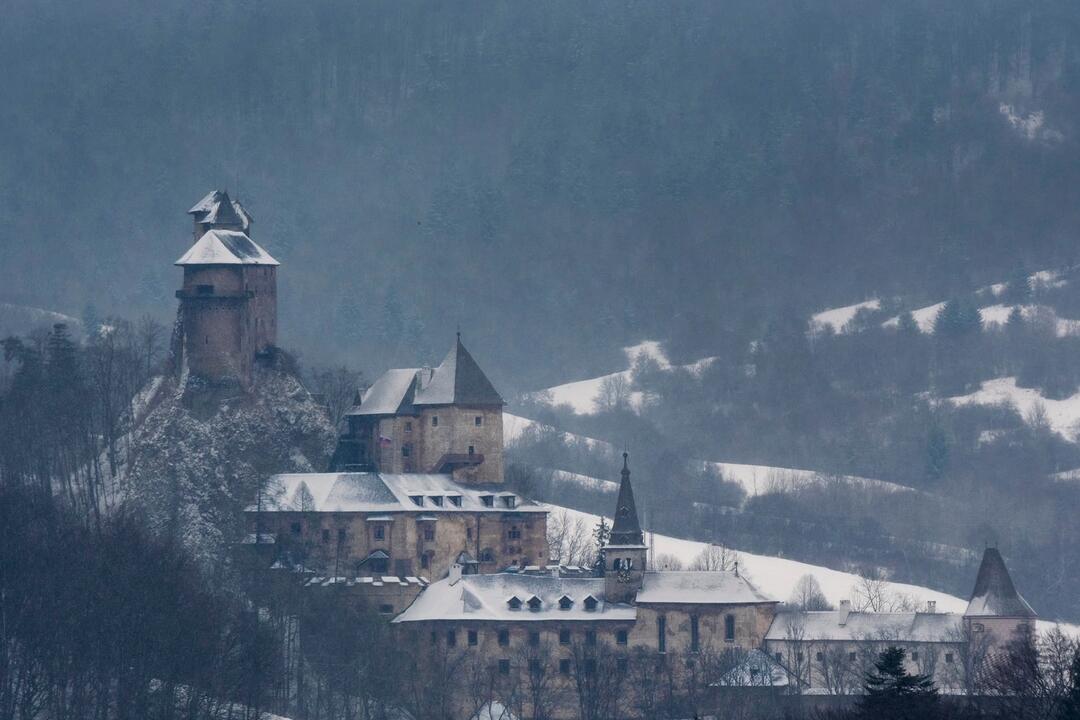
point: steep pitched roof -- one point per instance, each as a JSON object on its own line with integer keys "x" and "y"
{"x": 216, "y": 208}
{"x": 625, "y": 529}
{"x": 841, "y": 626}
{"x": 226, "y": 247}
{"x": 703, "y": 588}
{"x": 994, "y": 594}
{"x": 391, "y": 394}
{"x": 458, "y": 381}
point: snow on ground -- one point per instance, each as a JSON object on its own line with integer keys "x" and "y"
{"x": 760, "y": 479}
{"x": 580, "y": 395}
{"x": 584, "y": 481}
{"x": 777, "y": 576}
{"x": 1062, "y": 414}
{"x": 837, "y": 318}
{"x": 924, "y": 317}
{"x": 754, "y": 479}
{"x": 999, "y": 314}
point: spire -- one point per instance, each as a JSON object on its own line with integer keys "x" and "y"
{"x": 626, "y": 530}
{"x": 994, "y": 594}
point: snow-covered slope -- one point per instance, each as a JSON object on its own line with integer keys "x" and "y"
{"x": 22, "y": 319}
{"x": 1062, "y": 414}
{"x": 580, "y": 395}
{"x": 837, "y": 318}
{"x": 754, "y": 479}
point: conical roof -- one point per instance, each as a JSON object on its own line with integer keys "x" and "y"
{"x": 458, "y": 381}
{"x": 626, "y": 530}
{"x": 994, "y": 594}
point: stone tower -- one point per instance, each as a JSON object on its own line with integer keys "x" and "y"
{"x": 996, "y": 611}
{"x": 626, "y": 552}
{"x": 228, "y": 302}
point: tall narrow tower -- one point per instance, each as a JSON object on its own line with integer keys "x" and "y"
{"x": 626, "y": 551}
{"x": 228, "y": 302}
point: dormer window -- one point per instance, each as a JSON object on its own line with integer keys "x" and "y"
{"x": 514, "y": 603}
{"x": 535, "y": 603}
{"x": 455, "y": 500}
{"x": 436, "y": 500}
{"x": 566, "y": 602}
{"x": 418, "y": 500}
{"x": 488, "y": 500}
{"x": 509, "y": 501}
{"x": 591, "y": 603}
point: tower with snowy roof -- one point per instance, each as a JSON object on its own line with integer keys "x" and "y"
{"x": 228, "y": 301}
{"x": 996, "y": 612}
{"x": 625, "y": 553}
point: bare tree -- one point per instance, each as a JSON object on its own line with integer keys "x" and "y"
{"x": 717, "y": 557}
{"x": 614, "y": 393}
{"x": 570, "y": 540}
{"x": 338, "y": 387}
{"x": 807, "y": 595}
{"x": 151, "y": 343}
{"x": 871, "y": 592}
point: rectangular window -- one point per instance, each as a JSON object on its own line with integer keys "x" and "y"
{"x": 948, "y": 657}
{"x": 534, "y": 638}
{"x": 425, "y": 561}
{"x": 472, "y": 450}
{"x": 434, "y": 421}
{"x": 695, "y": 637}
{"x": 468, "y": 533}
{"x": 478, "y": 420}
{"x": 295, "y": 527}
{"x": 418, "y": 500}
{"x": 915, "y": 657}
{"x": 386, "y": 609}
{"x": 455, "y": 500}
{"x": 504, "y": 638}
{"x": 488, "y": 500}
{"x": 434, "y": 637}
{"x": 620, "y": 637}
{"x": 451, "y": 638}
{"x": 851, "y": 657}
{"x": 819, "y": 657}
{"x": 515, "y": 533}
{"x": 408, "y": 427}
{"x": 564, "y": 666}
{"x": 341, "y": 535}
{"x": 564, "y": 637}
{"x": 780, "y": 658}
{"x": 380, "y": 532}
{"x": 504, "y": 667}
{"x": 429, "y": 533}
{"x": 729, "y": 628}
{"x": 325, "y": 536}
{"x": 473, "y": 638}
{"x": 661, "y": 633}
{"x": 406, "y": 450}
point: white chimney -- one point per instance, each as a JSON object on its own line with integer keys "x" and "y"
{"x": 455, "y": 573}
{"x": 931, "y": 606}
{"x": 845, "y": 610}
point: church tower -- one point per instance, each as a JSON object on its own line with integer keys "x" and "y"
{"x": 626, "y": 552}
{"x": 228, "y": 301}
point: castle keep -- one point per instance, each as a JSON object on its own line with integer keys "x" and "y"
{"x": 228, "y": 302}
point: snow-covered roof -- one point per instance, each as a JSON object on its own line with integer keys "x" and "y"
{"x": 389, "y": 395}
{"x": 700, "y": 588}
{"x": 217, "y": 208}
{"x": 994, "y": 594}
{"x": 377, "y": 492}
{"x": 226, "y": 247}
{"x": 485, "y": 597}
{"x": 458, "y": 380}
{"x": 902, "y": 627}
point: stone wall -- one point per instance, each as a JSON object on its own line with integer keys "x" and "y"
{"x": 751, "y": 624}
{"x": 336, "y": 543}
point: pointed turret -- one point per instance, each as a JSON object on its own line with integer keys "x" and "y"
{"x": 994, "y": 594}
{"x": 458, "y": 381}
{"x": 625, "y": 553}
{"x": 626, "y": 530}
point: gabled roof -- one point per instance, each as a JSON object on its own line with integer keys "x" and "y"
{"x": 485, "y": 597}
{"x": 625, "y": 529}
{"x": 226, "y": 247}
{"x": 702, "y": 588}
{"x": 391, "y": 394}
{"x": 375, "y": 493}
{"x": 217, "y": 208}
{"x": 458, "y": 381}
{"x": 841, "y": 626}
{"x": 994, "y": 594}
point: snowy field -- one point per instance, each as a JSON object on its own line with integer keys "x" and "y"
{"x": 837, "y": 318}
{"x": 580, "y": 395}
{"x": 777, "y": 576}
{"x": 1062, "y": 414}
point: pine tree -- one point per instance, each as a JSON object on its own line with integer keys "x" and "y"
{"x": 602, "y": 533}
{"x": 893, "y": 692}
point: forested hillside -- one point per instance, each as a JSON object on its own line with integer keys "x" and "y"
{"x": 559, "y": 178}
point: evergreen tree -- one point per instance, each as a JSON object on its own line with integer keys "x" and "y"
{"x": 602, "y": 533}
{"x": 1070, "y": 706}
{"x": 1018, "y": 290}
{"x": 893, "y": 692}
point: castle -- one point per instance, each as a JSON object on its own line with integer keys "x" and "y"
{"x": 414, "y": 521}
{"x": 228, "y": 301}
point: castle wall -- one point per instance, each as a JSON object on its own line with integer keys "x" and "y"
{"x": 455, "y": 432}
{"x": 751, "y": 624}
{"x": 261, "y": 281}
{"x": 319, "y": 537}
